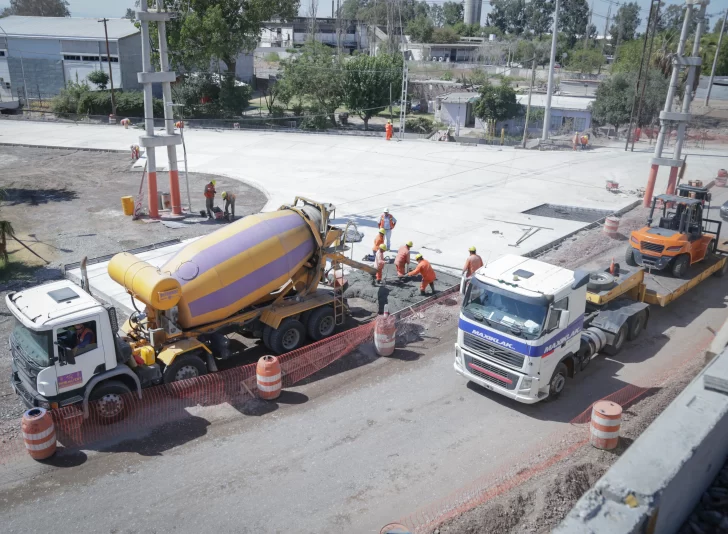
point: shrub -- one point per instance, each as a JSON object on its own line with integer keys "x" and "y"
{"x": 277, "y": 111}
{"x": 273, "y": 57}
{"x": 315, "y": 118}
{"x": 420, "y": 125}
{"x": 298, "y": 109}
{"x": 446, "y": 76}
{"x": 78, "y": 99}
{"x": 99, "y": 78}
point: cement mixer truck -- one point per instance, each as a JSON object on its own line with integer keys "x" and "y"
{"x": 264, "y": 275}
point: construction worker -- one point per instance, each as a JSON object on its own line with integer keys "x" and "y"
{"x": 575, "y": 140}
{"x": 210, "y": 198}
{"x": 229, "y": 199}
{"x": 428, "y": 274}
{"x": 84, "y": 338}
{"x": 472, "y": 264}
{"x": 379, "y": 240}
{"x": 402, "y": 261}
{"x": 388, "y": 129}
{"x": 387, "y": 222}
{"x": 584, "y": 141}
{"x": 379, "y": 262}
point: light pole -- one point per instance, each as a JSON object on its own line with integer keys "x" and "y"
{"x": 184, "y": 150}
{"x": 549, "y": 88}
{"x": 528, "y": 107}
{"x": 715, "y": 58}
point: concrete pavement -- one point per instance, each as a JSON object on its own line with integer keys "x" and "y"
{"x": 446, "y": 197}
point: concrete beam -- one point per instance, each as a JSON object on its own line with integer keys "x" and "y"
{"x": 667, "y": 162}
{"x": 675, "y": 116}
{"x": 156, "y": 77}
{"x": 152, "y": 16}
{"x": 661, "y": 488}
{"x": 148, "y": 141}
{"x": 687, "y": 61}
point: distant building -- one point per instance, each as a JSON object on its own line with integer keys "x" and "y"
{"x": 42, "y": 54}
{"x": 570, "y": 113}
{"x": 353, "y": 35}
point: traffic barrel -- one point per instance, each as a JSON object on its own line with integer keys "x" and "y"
{"x": 268, "y": 376}
{"x": 385, "y": 330}
{"x": 606, "y": 419}
{"x": 39, "y": 433}
{"x": 611, "y": 225}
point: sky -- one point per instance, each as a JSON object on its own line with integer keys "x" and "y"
{"x": 117, "y": 8}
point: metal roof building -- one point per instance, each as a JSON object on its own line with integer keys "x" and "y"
{"x": 40, "y": 55}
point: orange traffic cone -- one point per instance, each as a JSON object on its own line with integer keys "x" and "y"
{"x": 611, "y": 268}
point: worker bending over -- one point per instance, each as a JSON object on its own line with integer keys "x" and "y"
{"x": 379, "y": 262}
{"x": 402, "y": 261}
{"x": 210, "y": 198}
{"x": 387, "y": 222}
{"x": 229, "y": 199}
{"x": 428, "y": 274}
{"x": 379, "y": 240}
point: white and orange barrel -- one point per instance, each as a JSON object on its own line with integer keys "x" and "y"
{"x": 722, "y": 178}
{"x": 268, "y": 376}
{"x": 611, "y": 225}
{"x": 39, "y": 433}
{"x": 606, "y": 419}
{"x": 385, "y": 330}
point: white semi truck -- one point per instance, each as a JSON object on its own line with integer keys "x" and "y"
{"x": 527, "y": 326}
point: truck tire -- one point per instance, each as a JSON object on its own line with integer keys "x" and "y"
{"x": 619, "y": 340}
{"x": 629, "y": 257}
{"x": 321, "y": 323}
{"x": 599, "y": 281}
{"x": 680, "y": 265}
{"x": 558, "y": 381}
{"x": 637, "y": 325}
{"x": 183, "y": 367}
{"x": 267, "y": 330}
{"x": 110, "y": 402}
{"x": 287, "y": 337}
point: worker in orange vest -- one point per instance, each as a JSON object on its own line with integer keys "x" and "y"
{"x": 379, "y": 262}
{"x": 388, "y": 129}
{"x": 210, "y": 198}
{"x": 402, "y": 261}
{"x": 379, "y": 240}
{"x": 584, "y": 141}
{"x": 428, "y": 274}
{"x": 387, "y": 222}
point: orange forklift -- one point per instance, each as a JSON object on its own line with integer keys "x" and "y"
{"x": 681, "y": 236}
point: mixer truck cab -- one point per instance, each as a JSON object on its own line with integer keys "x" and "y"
{"x": 65, "y": 348}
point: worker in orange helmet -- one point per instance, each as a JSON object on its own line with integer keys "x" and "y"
{"x": 379, "y": 240}
{"x": 402, "y": 261}
{"x": 428, "y": 274}
{"x": 379, "y": 262}
{"x": 388, "y": 129}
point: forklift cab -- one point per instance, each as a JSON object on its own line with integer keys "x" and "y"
{"x": 686, "y": 217}
{"x": 691, "y": 191}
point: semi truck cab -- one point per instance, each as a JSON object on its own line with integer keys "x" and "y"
{"x": 519, "y": 320}
{"x": 63, "y": 343}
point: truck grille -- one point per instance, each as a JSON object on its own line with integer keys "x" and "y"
{"x": 485, "y": 349}
{"x": 491, "y": 374}
{"x": 652, "y": 247}
{"x": 22, "y": 360}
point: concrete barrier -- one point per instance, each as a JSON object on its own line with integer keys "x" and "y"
{"x": 658, "y": 481}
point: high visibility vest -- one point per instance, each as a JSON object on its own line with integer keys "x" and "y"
{"x": 392, "y": 221}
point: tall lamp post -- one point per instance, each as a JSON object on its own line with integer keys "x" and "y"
{"x": 550, "y": 86}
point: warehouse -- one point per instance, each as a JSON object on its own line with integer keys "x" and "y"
{"x": 39, "y": 55}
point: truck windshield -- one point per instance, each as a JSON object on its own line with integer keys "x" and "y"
{"x": 517, "y": 314}
{"x": 34, "y": 347}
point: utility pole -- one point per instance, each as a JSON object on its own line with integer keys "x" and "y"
{"x": 619, "y": 35}
{"x": 606, "y": 27}
{"x": 667, "y": 116}
{"x": 390, "y": 101}
{"x": 528, "y": 107}
{"x": 549, "y": 89}
{"x": 647, "y": 72}
{"x": 111, "y": 75}
{"x": 715, "y": 58}
{"x": 588, "y": 26}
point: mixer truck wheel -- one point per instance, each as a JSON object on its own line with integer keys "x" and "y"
{"x": 184, "y": 367}
{"x": 287, "y": 337}
{"x": 267, "y": 330}
{"x": 321, "y": 323}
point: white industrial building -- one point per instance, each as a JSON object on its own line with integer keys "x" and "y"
{"x": 42, "y": 54}
{"x": 351, "y": 35}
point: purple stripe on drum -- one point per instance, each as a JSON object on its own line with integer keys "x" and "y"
{"x": 250, "y": 283}
{"x": 233, "y": 245}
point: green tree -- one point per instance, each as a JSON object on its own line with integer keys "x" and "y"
{"x": 420, "y": 29}
{"x": 626, "y": 20}
{"x": 497, "y": 102}
{"x": 585, "y": 61}
{"x": 316, "y": 74}
{"x": 539, "y": 17}
{"x": 130, "y": 14}
{"x": 573, "y": 18}
{"x": 436, "y": 15}
{"x": 509, "y": 16}
{"x": 613, "y": 103}
{"x": 452, "y": 13}
{"x": 367, "y": 81}
{"x": 99, "y": 78}
{"x": 445, "y": 35}
{"x": 37, "y": 8}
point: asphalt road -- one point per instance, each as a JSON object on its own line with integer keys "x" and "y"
{"x": 348, "y": 451}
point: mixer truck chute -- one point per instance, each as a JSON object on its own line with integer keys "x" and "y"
{"x": 263, "y": 275}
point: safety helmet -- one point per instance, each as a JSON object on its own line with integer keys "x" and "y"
{"x": 213, "y": 182}
{"x": 224, "y": 194}
{"x": 389, "y": 122}
{"x": 409, "y": 243}
{"x": 386, "y": 210}
{"x": 418, "y": 257}
{"x": 382, "y": 247}
{"x": 472, "y": 249}
{"x": 382, "y": 231}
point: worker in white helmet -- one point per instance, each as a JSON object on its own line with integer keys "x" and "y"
{"x": 229, "y": 199}
{"x": 387, "y": 222}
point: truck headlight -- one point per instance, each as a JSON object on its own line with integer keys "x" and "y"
{"x": 526, "y": 383}
{"x": 458, "y": 356}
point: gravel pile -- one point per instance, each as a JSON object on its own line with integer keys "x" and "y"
{"x": 711, "y": 514}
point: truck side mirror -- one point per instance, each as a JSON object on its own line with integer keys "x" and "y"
{"x": 563, "y": 319}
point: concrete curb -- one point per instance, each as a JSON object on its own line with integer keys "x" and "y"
{"x": 25, "y": 145}
{"x": 645, "y": 491}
